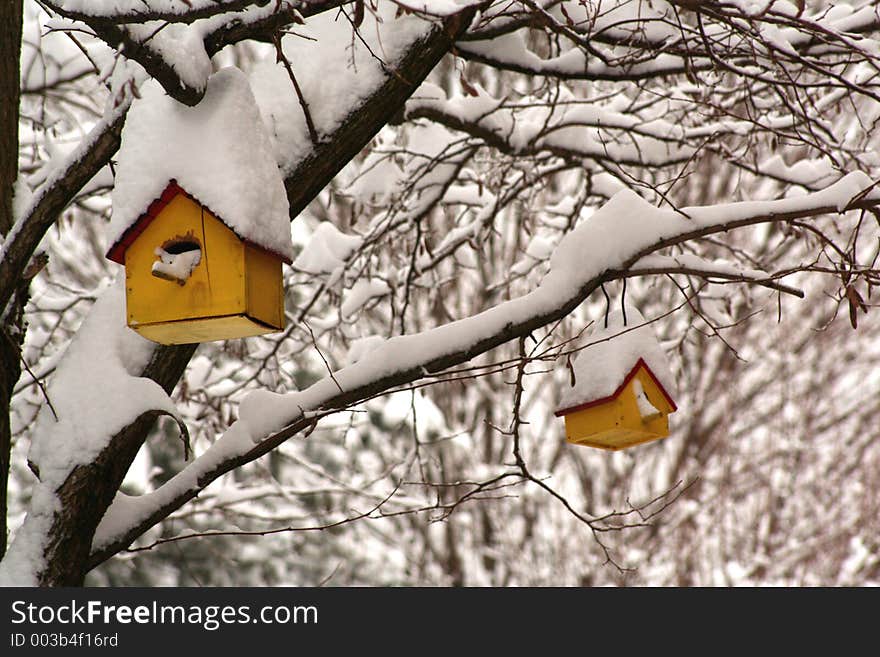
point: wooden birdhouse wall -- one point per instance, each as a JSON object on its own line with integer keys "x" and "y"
{"x": 234, "y": 291}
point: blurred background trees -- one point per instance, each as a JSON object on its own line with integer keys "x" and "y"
{"x": 542, "y": 111}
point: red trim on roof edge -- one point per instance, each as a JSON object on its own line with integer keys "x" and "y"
{"x": 629, "y": 377}
{"x": 116, "y": 253}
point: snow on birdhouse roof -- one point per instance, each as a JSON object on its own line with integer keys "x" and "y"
{"x": 611, "y": 355}
{"x": 218, "y": 152}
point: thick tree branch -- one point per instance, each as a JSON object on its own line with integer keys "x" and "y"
{"x": 11, "y": 320}
{"x": 90, "y": 489}
{"x": 54, "y": 195}
{"x": 264, "y": 26}
{"x": 472, "y": 342}
{"x": 186, "y": 15}
{"x": 236, "y": 27}
{"x": 309, "y": 176}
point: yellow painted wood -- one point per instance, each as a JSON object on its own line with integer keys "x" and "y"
{"x": 617, "y": 423}
{"x": 224, "y": 296}
{"x": 265, "y": 294}
{"x": 205, "y": 329}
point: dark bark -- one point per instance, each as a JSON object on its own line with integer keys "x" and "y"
{"x": 90, "y": 489}
{"x": 311, "y": 174}
{"x": 11, "y": 314}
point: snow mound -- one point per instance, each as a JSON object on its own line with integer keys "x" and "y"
{"x": 611, "y": 353}
{"x": 218, "y": 151}
{"x": 327, "y": 250}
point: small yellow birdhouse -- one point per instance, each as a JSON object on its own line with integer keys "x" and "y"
{"x": 617, "y": 400}
{"x": 200, "y": 216}
{"x": 190, "y": 278}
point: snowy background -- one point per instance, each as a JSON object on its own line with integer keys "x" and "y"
{"x": 541, "y": 157}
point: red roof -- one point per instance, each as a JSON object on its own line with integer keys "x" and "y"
{"x": 116, "y": 253}
{"x": 629, "y": 377}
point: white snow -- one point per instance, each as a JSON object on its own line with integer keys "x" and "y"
{"x": 539, "y": 249}
{"x": 24, "y": 559}
{"x": 93, "y": 394}
{"x": 512, "y": 50}
{"x": 612, "y": 236}
{"x": 610, "y": 354}
{"x": 360, "y": 66}
{"x": 362, "y": 346}
{"x": 377, "y": 179}
{"x": 115, "y": 7}
{"x": 579, "y": 128}
{"x": 181, "y": 46}
{"x": 723, "y": 268}
{"x": 126, "y": 509}
{"x": 56, "y": 170}
{"x": 218, "y": 151}
{"x": 176, "y": 266}
{"x": 809, "y": 173}
{"x": 362, "y": 291}
{"x": 95, "y": 374}
{"x": 327, "y": 250}
{"x": 438, "y": 7}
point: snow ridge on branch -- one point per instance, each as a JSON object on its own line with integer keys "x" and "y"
{"x": 622, "y": 232}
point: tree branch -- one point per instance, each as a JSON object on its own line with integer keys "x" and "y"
{"x": 238, "y": 27}
{"x": 54, "y": 195}
{"x": 190, "y": 15}
{"x": 89, "y": 489}
{"x": 465, "y": 339}
{"x": 11, "y": 315}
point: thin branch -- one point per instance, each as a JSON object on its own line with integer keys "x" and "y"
{"x": 281, "y": 57}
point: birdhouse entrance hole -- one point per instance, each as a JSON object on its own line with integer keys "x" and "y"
{"x": 178, "y": 246}
{"x": 176, "y": 260}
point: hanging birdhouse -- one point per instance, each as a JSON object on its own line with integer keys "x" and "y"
{"x": 200, "y": 217}
{"x": 620, "y": 392}
{"x": 190, "y": 278}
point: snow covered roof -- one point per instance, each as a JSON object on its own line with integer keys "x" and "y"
{"x": 611, "y": 359}
{"x": 219, "y": 153}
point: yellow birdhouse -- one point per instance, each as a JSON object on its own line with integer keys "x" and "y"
{"x": 619, "y": 395}
{"x": 190, "y": 278}
{"x": 200, "y": 216}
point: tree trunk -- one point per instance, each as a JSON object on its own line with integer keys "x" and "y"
{"x": 11, "y": 317}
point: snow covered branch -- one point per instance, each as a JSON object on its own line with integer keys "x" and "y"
{"x": 395, "y": 81}
{"x": 169, "y": 11}
{"x": 565, "y": 132}
{"x": 615, "y": 238}
{"x": 178, "y": 55}
{"x": 67, "y": 179}
{"x": 688, "y": 265}
{"x": 632, "y": 41}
